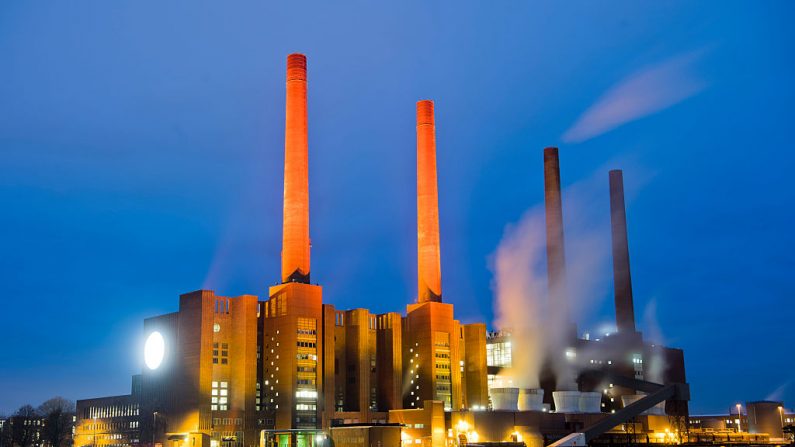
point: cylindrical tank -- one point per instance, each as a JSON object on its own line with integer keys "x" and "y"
{"x": 566, "y": 401}
{"x": 629, "y": 399}
{"x": 504, "y": 398}
{"x": 765, "y": 417}
{"x": 531, "y": 399}
{"x": 590, "y": 402}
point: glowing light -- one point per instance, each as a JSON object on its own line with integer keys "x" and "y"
{"x": 473, "y": 436}
{"x": 463, "y": 425}
{"x": 154, "y": 350}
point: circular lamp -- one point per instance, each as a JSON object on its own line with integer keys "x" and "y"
{"x": 154, "y": 350}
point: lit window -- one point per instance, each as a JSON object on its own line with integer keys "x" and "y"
{"x": 219, "y": 403}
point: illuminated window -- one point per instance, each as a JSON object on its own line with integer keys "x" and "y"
{"x": 499, "y": 354}
{"x": 219, "y": 400}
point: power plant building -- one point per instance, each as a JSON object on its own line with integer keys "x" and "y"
{"x": 294, "y": 370}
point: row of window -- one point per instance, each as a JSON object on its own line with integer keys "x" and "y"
{"x": 219, "y": 392}
{"x": 222, "y": 306}
{"x": 111, "y": 411}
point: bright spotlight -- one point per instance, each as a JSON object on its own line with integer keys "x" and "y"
{"x": 154, "y": 350}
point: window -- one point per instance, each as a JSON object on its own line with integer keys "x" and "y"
{"x": 221, "y": 355}
{"x": 498, "y": 354}
{"x": 219, "y": 396}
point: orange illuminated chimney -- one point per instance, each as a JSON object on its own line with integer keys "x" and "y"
{"x": 428, "y": 259}
{"x": 295, "y": 237}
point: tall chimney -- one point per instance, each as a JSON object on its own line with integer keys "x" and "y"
{"x": 622, "y": 280}
{"x": 295, "y": 236}
{"x": 429, "y": 271}
{"x": 556, "y": 258}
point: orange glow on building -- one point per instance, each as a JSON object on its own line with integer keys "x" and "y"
{"x": 429, "y": 271}
{"x": 295, "y": 237}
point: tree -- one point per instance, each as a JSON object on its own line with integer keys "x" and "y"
{"x": 22, "y": 426}
{"x": 57, "y": 415}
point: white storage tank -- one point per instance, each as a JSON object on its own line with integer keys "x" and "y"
{"x": 504, "y": 398}
{"x": 590, "y": 402}
{"x": 531, "y": 399}
{"x": 566, "y": 401}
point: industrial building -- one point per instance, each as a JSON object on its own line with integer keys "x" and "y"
{"x": 221, "y": 369}
{"x": 765, "y": 417}
{"x": 294, "y": 370}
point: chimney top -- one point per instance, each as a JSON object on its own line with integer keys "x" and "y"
{"x": 296, "y": 67}
{"x": 424, "y": 112}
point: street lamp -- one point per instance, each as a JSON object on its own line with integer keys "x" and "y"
{"x": 739, "y": 418}
{"x": 781, "y": 415}
{"x": 154, "y": 427}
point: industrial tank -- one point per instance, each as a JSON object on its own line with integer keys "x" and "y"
{"x": 566, "y": 401}
{"x": 590, "y": 402}
{"x": 531, "y": 399}
{"x": 504, "y": 398}
{"x": 765, "y": 417}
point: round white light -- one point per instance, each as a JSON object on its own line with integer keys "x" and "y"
{"x": 154, "y": 350}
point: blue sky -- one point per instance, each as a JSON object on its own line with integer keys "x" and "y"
{"x": 141, "y": 146}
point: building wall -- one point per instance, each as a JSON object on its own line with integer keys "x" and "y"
{"x": 107, "y": 422}
{"x": 207, "y": 381}
{"x": 431, "y": 356}
{"x": 293, "y": 355}
{"x": 361, "y": 436}
{"x": 235, "y": 366}
{"x": 426, "y": 424}
{"x": 389, "y": 361}
{"x": 475, "y": 375}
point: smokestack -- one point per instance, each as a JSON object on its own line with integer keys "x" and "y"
{"x": 622, "y": 280}
{"x": 556, "y": 259}
{"x": 295, "y": 236}
{"x": 429, "y": 270}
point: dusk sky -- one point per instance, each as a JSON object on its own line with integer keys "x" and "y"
{"x": 141, "y": 151}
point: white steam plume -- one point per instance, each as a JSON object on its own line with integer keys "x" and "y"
{"x": 522, "y": 306}
{"x": 638, "y": 95}
{"x": 656, "y": 364}
{"x": 520, "y": 287}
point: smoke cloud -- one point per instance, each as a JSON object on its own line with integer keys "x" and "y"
{"x": 656, "y": 364}
{"x": 521, "y": 291}
{"x": 638, "y": 95}
{"x": 522, "y": 306}
{"x": 778, "y": 393}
